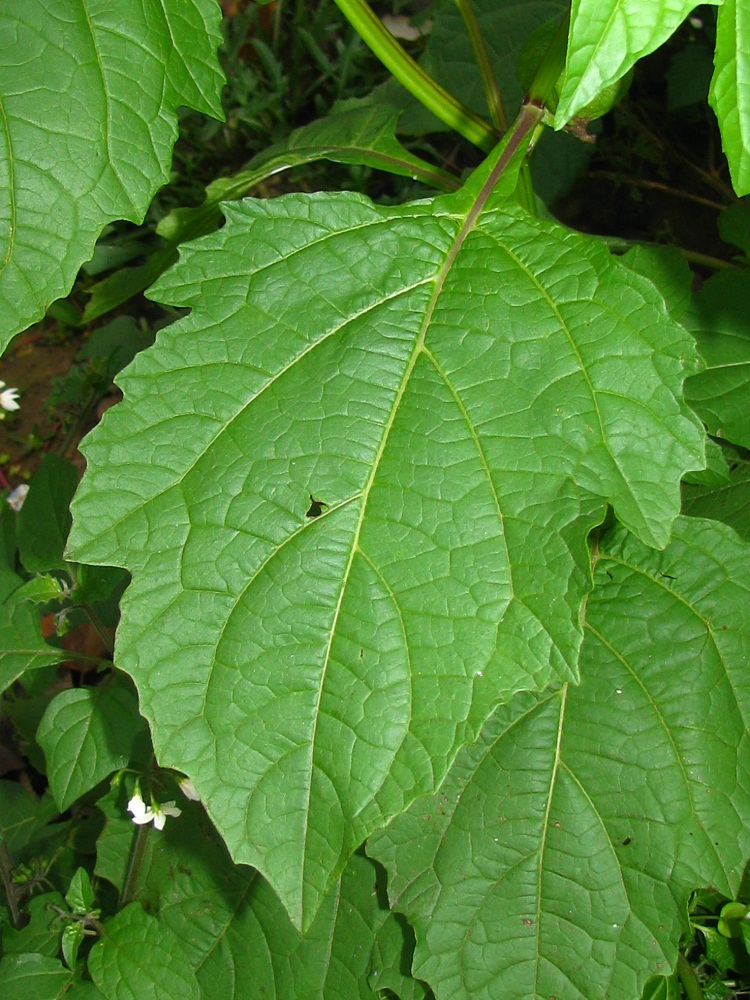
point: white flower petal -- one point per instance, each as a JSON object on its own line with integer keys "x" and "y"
{"x": 17, "y": 496}
{"x": 188, "y": 790}
{"x": 9, "y": 399}
{"x": 141, "y": 814}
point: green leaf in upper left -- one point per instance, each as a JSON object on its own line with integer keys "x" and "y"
{"x": 88, "y": 100}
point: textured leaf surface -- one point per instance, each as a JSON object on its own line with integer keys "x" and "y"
{"x": 559, "y": 854}
{"x": 37, "y": 976}
{"x": 606, "y": 38}
{"x": 137, "y": 957}
{"x": 89, "y": 93}
{"x": 728, "y": 502}
{"x": 442, "y": 393}
{"x": 86, "y": 734}
{"x": 729, "y": 94}
{"x": 236, "y": 935}
{"x": 22, "y": 647}
{"x": 719, "y": 322}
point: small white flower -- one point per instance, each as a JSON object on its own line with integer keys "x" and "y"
{"x": 188, "y": 789}
{"x": 139, "y": 809}
{"x": 155, "y": 813}
{"x": 17, "y": 496}
{"x": 162, "y": 811}
{"x": 9, "y": 398}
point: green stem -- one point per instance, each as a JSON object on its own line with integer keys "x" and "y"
{"x": 543, "y": 85}
{"x": 6, "y": 872}
{"x": 410, "y": 74}
{"x": 688, "y": 979}
{"x": 137, "y": 855}
{"x": 489, "y": 83}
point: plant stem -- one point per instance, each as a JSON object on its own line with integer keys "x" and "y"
{"x": 688, "y": 979}
{"x": 410, "y": 74}
{"x": 489, "y": 83}
{"x": 612, "y": 175}
{"x": 6, "y": 870}
{"x": 137, "y": 854}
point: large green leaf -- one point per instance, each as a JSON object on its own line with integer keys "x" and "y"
{"x": 354, "y": 489}
{"x": 730, "y": 88}
{"x": 559, "y": 854}
{"x": 89, "y": 93}
{"x": 718, "y": 320}
{"x": 606, "y": 38}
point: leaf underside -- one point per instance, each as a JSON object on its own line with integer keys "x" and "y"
{"x": 559, "y": 854}
{"x": 455, "y": 401}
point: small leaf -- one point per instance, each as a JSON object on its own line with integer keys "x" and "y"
{"x": 71, "y": 941}
{"x": 662, "y": 988}
{"x": 38, "y": 590}
{"x": 79, "y": 896}
{"x": 22, "y": 647}
{"x": 86, "y": 734}
{"x": 138, "y": 957}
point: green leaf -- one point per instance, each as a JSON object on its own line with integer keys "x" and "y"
{"x": 729, "y": 502}
{"x": 44, "y": 520}
{"x": 24, "y": 819}
{"x": 391, "y": 960}
{"x": 717, "y": 471}
{"x": 729, "y": 94}
{"x": 79, "y": 896}
{"x": 662, "y": 988}
{"x": 72, "y": 939}
{"x": 718, "y": 320}
{"x": 38, "y": 590}
{"x": 22, "y": 647}
{"x": 86, "y": 734}
{"x": 43, "y": 931}
{"x": 25, "y": 976}
{"x": 90, "y": 94}
{"x": 450, "y": 380}
{"x": 570, "y": 836}
{"x": 668, "y": 270}
{"x": 606, "y": 38}
{"x": 139, "y": 957}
